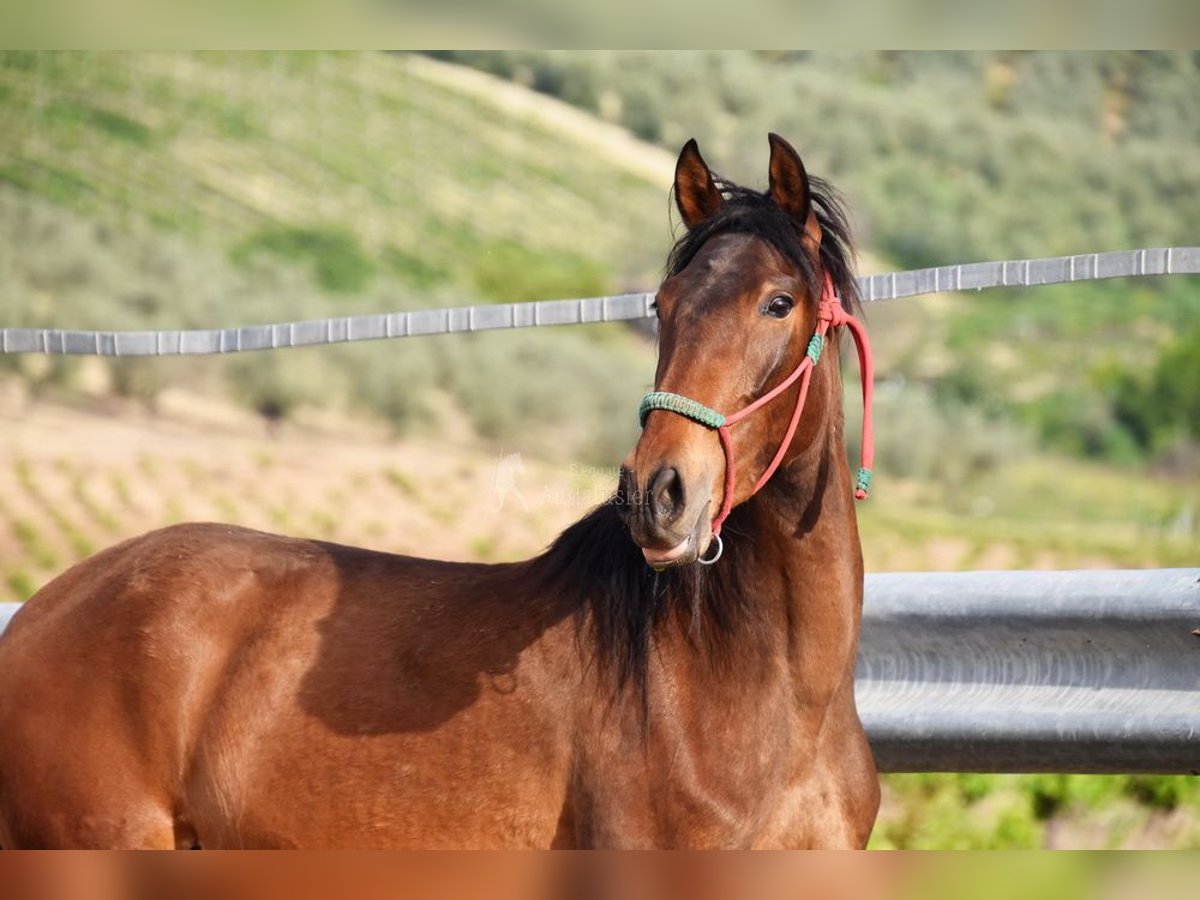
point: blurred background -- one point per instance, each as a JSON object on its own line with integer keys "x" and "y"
{"x": 1049, "y": 428}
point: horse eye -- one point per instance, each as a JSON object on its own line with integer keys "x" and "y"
{"x": 779, "y": 306}
{"x": 654, "y": 309}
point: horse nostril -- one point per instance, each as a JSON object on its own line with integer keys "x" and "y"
{"x": 666, "y": 494}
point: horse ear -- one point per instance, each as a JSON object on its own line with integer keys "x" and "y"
{"x": 696, "y": 192}
{"x": 789, "y": 187}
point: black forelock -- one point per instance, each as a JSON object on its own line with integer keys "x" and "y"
{"x": 747, "y": 211}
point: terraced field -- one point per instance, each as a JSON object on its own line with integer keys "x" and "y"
{"x": 72, "y": 482}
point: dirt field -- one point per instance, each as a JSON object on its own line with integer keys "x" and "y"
{"x": 76, "y": 479}
{"x": 73, "y": 481}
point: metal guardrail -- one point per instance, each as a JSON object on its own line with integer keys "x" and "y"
{"x": 348, "y": 329}
{"x": 1028, "y": 671}
{"x": 1095, "y": 671}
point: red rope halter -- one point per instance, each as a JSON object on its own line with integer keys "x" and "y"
{"x": 830, "y": 314}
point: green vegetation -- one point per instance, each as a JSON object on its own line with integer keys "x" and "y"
{"x": 947, "y": 156}
{"x": 483, "y": 548}
{"x": 140, "y": 190}
{"x": 280, "y": 518}
{"x": 21, "y": 584}
{"x": 1105, "y": 372}
{"x": 72, "y": 114}
{"x": 193, "y": 190}
{"x": 506, "y": 269}
{"x": 402, "y": 482}
{"x": 968, "y": 811}
{"x": 339, "y": 263}
{"x": 51, "y": 183}
{"x": 120, "y": 486}
{"x": 227, "y": 510}
{"x": 1159, "y": 405}
{"x": 322, "y": 523}
{"x": 99, "y": 513}
{"x": 34, "y": 544}
{"x": 953, "y": 157}
{"x": 1045, "y": 876}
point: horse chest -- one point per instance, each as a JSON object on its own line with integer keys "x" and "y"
{"x": 704, "y": 775}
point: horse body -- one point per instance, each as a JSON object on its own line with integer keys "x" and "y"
{"x": 216, "y": 686}
{"x": 288, "y": 693}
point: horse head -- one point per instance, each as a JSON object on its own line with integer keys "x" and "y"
{"x": 752, "y": 288}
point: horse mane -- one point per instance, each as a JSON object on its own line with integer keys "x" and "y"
{"x": 601, "y": 572}
{"x": 747, "y": 211}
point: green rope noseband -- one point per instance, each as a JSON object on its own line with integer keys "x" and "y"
{"x": 698, "y": 412}
{"x": 685, "y": 407}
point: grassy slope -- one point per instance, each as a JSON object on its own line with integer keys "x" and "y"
{"x": 960, "y": 156}
{"x": 204, "y": 189}
{"x": 218, "y": 146}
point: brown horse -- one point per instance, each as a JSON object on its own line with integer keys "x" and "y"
{"x": 208, "y": 685}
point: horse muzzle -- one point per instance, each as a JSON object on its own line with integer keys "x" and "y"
{"x": 666, "y": 520}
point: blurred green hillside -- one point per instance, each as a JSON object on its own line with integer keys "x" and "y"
{"x": 387, "y": 173}
{"x": 194, "y": 190}
{"x": 946, "y": 157}
{"x": 956, "y": 157}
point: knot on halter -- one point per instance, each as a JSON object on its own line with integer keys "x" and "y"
{"x": 830, "y": 314}
{"x": 862, "y": 484}
{"x": 832, "y": 311}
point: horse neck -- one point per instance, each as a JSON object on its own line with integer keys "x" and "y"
{"x": 811, "y": 493}
{"x": 803, "y": 568}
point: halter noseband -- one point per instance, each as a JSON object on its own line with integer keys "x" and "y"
{"x": 830, "y": 314}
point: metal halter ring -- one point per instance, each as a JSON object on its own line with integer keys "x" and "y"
{"x": 720, "y": 550}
